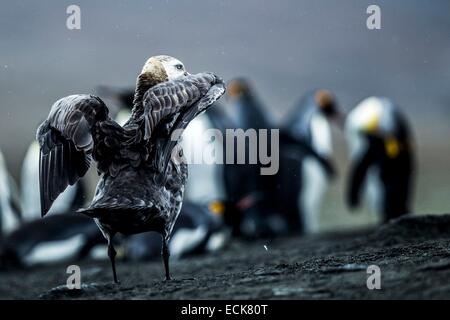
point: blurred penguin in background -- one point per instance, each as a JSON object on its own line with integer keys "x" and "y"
{"x": 65, "y": 237}
{"x": 249, "y": 193}
{"x": 198, "y": 230}
{"x": 382, "y": 154}
{"x": 306, "y": 165}
{"x": 10, "y": 208}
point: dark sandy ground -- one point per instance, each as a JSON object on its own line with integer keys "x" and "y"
{"x": 412, "y": 252}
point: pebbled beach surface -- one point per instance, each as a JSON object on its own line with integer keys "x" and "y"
{"x": 413, "y": 254}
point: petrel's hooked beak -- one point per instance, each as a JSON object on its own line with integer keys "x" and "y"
{"x": 187, "y": 73}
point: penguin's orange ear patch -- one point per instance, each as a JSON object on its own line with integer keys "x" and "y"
{"x": 217, "y": 207}
{"x": 323, "y": 98}
{"x": 236, "y": 88}
{"x": 392, "y": 147}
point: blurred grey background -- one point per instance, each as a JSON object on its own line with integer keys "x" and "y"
{"x": 285, "y": 47}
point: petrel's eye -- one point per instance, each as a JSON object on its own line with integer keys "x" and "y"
{"x": 179, "y": 66}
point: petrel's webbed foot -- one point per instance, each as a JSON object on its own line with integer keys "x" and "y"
{"x": 166, "y": 254}
{"x": 112, "y": 256}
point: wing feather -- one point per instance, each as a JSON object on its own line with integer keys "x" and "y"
{"x": 171, "y": 97}
{"x": 213, "y": 94}
{"x": 66, "y": 140}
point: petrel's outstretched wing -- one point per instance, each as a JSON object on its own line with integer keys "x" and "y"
{"x": 213, "y": 94}
{"x": 166, "y": 100}
{"x": 172, "y": 105}
{"x": 67, "y": 139}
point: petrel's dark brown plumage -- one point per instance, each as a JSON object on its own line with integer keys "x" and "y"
{"x": 141, "y": 186}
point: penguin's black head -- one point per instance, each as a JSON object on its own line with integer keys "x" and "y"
{"x": 326, "y": 102}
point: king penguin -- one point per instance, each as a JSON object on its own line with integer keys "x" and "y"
{"x": 198, "y": 230}
{"x": 382, "y": 154}
{"x": 59, "y": 238}
{"x": 306, "y": 159}
{"x": 252, "y": 204}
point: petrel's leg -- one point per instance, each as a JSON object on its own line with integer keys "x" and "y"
{"x": 112, "y": 256}
{"x": 166, "y": 254}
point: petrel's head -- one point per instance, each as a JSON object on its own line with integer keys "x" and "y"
{"x": 156, "y": 70}
{"x": 164, "y": 68}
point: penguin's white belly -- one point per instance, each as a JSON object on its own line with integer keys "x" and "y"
{"x": 217, "y": 240}
{"x": 55, "y": 251}
{"x": 205, "y": 179}
{"x": 185, "y": 240}
{"x": 314, "y": 185}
